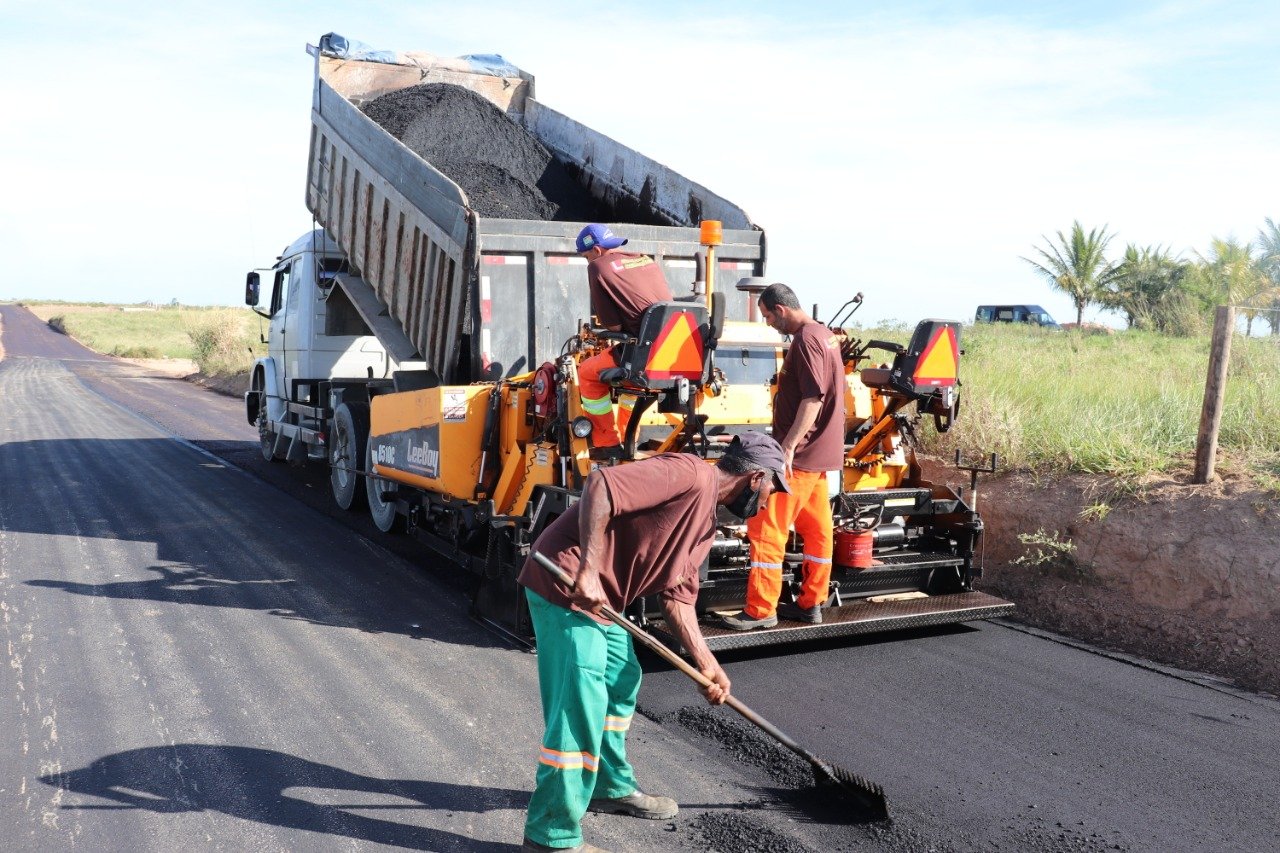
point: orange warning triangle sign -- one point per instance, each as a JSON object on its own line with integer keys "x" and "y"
{"x": 939, "y": 363}
{"x": 677, "y": 351}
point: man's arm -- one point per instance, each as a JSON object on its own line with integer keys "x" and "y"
{"x": 806, "y": 417}
{"x": 683, "y": 621}
{"x": 594, "y": 511}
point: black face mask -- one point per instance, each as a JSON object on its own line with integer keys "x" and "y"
{"x": 746, "y": 504}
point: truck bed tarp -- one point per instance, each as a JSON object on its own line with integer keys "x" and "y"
{"x": 492, "y": 64}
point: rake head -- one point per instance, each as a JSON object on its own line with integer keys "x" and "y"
{"x": 850, "y": 787}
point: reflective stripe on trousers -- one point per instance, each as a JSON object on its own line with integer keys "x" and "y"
{"x": 808, "y": 509}
{"x": 596, "y": 399}
{"x": 589, "y": 677}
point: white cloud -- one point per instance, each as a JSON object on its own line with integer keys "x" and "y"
{"x": 913, "y": 158}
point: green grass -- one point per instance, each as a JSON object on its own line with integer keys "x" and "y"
{"x": 1124, "y": 404}
{"x": 220, "y": 340}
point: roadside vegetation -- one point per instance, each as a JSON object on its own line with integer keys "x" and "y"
{"x": 1157, "y": 291}
{"x": 1123, "y": 404}
{"x": 221, "y": 341}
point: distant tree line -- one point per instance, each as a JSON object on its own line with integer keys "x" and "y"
{"x": 1156, "y": 290}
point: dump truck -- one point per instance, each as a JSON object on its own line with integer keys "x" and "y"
{"x": 427, "y": 354}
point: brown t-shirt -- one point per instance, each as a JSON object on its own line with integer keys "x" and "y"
{"x": 661, "y": 531}
{"x": 813, "y": 368}
{"x": 622, "y": 286}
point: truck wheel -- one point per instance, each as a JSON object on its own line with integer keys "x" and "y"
{"x": 266, "y": 438}
{"x": 383, "y": 512}
{"x": 347, "y": 442}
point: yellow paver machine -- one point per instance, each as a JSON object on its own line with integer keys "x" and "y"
{"x": 483, "y": 468}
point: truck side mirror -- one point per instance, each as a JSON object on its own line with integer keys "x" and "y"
{"x": 252, "y": 286}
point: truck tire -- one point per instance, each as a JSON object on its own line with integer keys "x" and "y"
{"x": 267, "y": 439}
{"x": 348, "y": 440}
{"x": 383, "y": 512}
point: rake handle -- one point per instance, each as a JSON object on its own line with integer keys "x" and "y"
{"x": 650, "y": 642}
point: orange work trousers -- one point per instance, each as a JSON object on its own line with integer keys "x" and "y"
{"x": 597, "y": 401}
{"x": 808, "y": 509}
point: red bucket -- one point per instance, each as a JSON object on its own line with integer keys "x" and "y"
{"x": 853, "y": 548}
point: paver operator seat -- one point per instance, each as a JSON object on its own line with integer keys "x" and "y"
{"x": 670, "y": 358}
{"x": 926, "y": 370}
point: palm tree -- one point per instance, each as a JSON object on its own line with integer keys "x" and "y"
{"x": 1147, "y": 288}
{"x": 1269, "y": 260}
{"x": 1077, "y": 266}
{"x": 1235, "y": 277}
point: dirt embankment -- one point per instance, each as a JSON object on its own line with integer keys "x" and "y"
{"x": 233, "y": 386}
{"x": 1185, "y": 575}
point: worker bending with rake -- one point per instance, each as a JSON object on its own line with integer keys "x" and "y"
{"x": 622, "y": 286}
{"x": 641, "y": 529}
{"x": 808, "y": 421}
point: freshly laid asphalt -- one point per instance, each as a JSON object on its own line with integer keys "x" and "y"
{"x": 201, "y": 652}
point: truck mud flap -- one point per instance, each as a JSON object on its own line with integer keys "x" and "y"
{"x": 858, "y": 617}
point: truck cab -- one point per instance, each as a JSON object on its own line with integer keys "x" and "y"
{"x": 315, "y": 332}
{"x": 1033, "y": 314}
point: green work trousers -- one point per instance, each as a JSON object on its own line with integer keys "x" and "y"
{"x": 589, "y": 678}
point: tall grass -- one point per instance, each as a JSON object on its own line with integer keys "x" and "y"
{"x": 222, "y": 347}
{"x": 1122, "y": 404}
{"x": 221, "y": 341}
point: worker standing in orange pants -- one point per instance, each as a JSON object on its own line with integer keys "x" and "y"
{"x": 808, "y": 421}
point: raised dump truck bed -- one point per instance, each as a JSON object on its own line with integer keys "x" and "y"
{"x": 481, "y": 297}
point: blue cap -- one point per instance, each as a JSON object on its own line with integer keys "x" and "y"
{"x": 596, "y": 234}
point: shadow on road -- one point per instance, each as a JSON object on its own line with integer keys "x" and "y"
{"x": 207, "y": 537}
{"x": 269, "y": 787}
{"x": 193, "y": 586}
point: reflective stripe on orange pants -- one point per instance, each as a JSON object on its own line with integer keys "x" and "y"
{"x": 808, "y": 509}
{"x": 596, "y": 400}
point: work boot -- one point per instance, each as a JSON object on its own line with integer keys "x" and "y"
{"x": 796, "y": 613}
{"x": 637, "y": 804}
{"x": 743, "y": 622}
{"x": 535, "y": 847}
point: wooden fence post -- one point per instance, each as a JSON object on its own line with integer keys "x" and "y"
{"x": 1215, "y": 388}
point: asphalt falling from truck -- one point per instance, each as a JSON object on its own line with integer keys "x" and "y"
{"x": 503, "y": 168}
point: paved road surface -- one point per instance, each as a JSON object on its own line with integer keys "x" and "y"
{"x": 203, "y": 653}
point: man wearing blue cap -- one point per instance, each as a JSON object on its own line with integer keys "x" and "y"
{"x": 622, "y": 286}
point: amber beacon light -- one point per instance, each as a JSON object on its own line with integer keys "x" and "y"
{"x": 711, "y": 235}
{"x": 712, "y": 232}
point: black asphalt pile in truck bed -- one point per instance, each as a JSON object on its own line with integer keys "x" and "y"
{"x": 504, "y": 170}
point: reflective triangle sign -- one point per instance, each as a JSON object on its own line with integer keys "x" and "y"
{"x": 939, "y": 363}
{"x": 677, "y": 351}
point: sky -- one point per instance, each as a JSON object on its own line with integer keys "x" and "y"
{"x": 913, "y": 151}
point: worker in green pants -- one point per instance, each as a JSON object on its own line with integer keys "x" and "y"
{"x": 641, "y": 529}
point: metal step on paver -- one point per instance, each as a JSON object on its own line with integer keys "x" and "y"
{"x": 858, "y": 617}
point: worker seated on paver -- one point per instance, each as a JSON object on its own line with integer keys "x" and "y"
{"x": 622, "y": 285}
